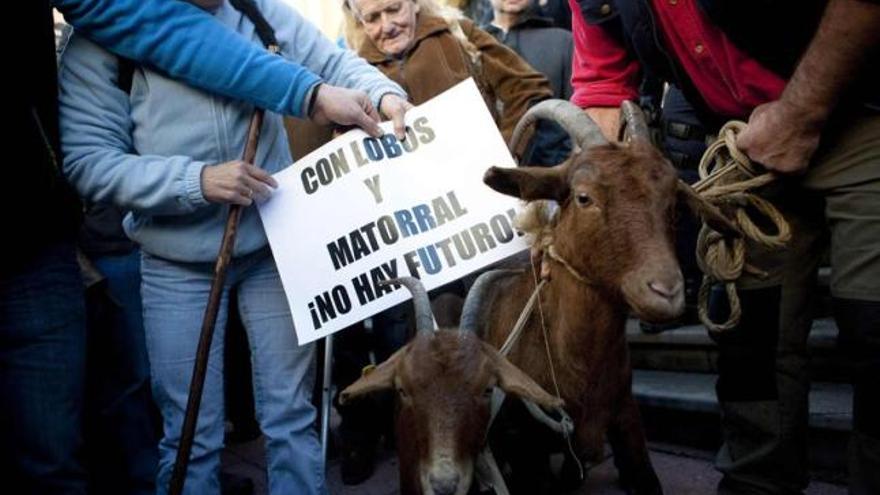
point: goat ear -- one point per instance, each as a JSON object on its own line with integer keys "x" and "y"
{"x": 708, "y": 212}
{"x": 381, "y": 378}
{"x": 528, "y": 183}
{"x": 514, "y": 382}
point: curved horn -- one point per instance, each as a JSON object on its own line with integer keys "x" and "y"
{"x": 635, "y": 123}
{"x": 470, "y": 313}
{"x": 424, "y": 315}
{"x": 583, "y": 131}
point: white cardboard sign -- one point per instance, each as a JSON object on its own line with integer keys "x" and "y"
{"x": 360, "y": 210}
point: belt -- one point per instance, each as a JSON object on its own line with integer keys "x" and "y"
{"x": 685, "y": 132}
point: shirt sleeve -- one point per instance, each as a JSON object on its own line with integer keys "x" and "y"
{"x": 99, "y": 160}
{"x": 187, "y": 43}
{"x": 603, "y": 72}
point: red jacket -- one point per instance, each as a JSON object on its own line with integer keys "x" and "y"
{"x": 730, "y": 82}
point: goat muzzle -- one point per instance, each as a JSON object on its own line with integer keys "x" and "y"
{"x": 446, "y": 477}
{"x": 655, "y": 294}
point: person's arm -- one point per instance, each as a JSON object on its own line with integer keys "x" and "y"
{"x": 188, "y": 44}
{"x": 604, "y": 75}
{"x": 97, "y": 148}
{"x": 783, "y": 135}
{"x": 302, "y": 43}
{"x": 514, "y": 81}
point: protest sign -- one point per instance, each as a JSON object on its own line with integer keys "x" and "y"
{"x": 360, "y": 210}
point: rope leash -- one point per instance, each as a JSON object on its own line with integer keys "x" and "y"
{"x": 566, "y": 420}
{"x": 727, "y": 176}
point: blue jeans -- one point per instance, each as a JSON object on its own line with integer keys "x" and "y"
{"x": 174, "y": 298}
{"x": 123, "y": 274}
{"x": 120, "y": 414}
{"x": 42, "y": 372}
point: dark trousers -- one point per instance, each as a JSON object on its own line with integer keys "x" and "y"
{"x": 121, "y": 418}
{"x": 42, "y": 373}
{"x": 764, "y": 399}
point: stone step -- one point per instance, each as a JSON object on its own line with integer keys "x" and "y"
{"x": 689, "y": 348}
{"x": 682, "y": 409}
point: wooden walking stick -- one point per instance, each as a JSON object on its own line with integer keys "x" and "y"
{"x": 181, "y": 462}
{"x": 326, "y": 386}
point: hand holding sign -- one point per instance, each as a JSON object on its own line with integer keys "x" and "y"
{"x": 345, "y": 107}
{"x": 394, "y": 108}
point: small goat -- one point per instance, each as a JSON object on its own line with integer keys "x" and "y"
{"x": 444, "y": 380}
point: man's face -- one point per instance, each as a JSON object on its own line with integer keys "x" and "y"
{"x": 511, "y": 6}
{"x": 390, "y": 24}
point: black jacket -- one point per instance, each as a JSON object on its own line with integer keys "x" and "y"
{"x": 774, "y": 32}
{"x": 546, "y": 48}
{"x": 549, "y": 50}
{"x": 558, "y": 11}
{"x": 38, "y": 206}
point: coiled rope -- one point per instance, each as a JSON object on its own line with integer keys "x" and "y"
{"x": 727, "y": 177}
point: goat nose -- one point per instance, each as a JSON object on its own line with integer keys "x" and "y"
{"x": 444, "y": 484}
{"x": 664, "y": 289}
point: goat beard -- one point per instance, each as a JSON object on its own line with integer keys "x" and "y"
{"x": 536, "y": 219}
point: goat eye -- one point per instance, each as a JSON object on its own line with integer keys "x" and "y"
{"x": 488, "y": 392}
{"x": 402, "y": 393}
{"x": 583, "y": 199}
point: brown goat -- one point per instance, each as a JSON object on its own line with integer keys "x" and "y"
{"x": 444, "y": 381}
{"x": 613, "y": 230}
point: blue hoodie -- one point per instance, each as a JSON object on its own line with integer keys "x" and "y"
{"x": 145, "y": 150}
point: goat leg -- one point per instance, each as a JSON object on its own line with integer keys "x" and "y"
{"x": 627, "y": 439}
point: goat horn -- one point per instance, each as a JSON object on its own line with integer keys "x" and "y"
{"x": 424, "y": 315}
{"x": 583, "y": 131}
{"x": 470, "y": 313}
{"x": 635, "y": 122}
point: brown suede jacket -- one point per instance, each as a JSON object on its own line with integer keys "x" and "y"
{"x": 437, "y": 61}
